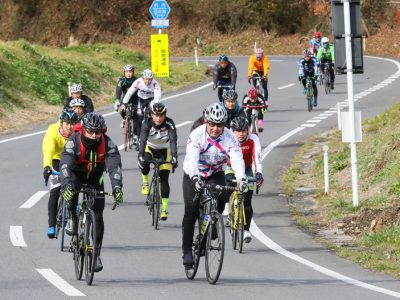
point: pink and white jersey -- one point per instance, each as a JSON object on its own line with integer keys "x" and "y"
{"x": 152, "y": 90}
{"x": 206, "y": 156}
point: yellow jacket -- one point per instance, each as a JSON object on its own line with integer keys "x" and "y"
{"x": 53, "y": 144}
{"x": 261, "y": 66}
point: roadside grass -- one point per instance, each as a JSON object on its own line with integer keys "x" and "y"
{"x": 379, "y": 187}
{"x": 33, "y": 79}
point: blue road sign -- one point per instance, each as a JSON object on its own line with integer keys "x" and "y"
{"x": 159, "y": 9}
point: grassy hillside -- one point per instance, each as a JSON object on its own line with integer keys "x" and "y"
{"x": 375, "y": 223}
{"x": 34, "y": 78}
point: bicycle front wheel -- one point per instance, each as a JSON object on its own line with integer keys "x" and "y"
{"x": 90, "y": 246}
{"x": 215, "y": 247}
{"x": 126, "y": 133}
{"x": 61, "y": 221}
{"x": 240, "y": 228}
{"x": 130, "y": 133}
{"x": 191, "y": 271}
{"x": 327, "y": 80}
{"x": 157, "y": 203}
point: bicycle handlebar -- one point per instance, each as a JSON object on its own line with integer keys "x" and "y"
{"x": 254, "y": 106}
{"x": 160, "y": 162}
{"x": 52, "y": 173}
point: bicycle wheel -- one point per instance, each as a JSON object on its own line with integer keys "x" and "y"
{"x": 232, "y": 217}
{"x": 157, "y": 207}
{"x": 240, "y": 227}
{"x": 191, "y": 271}
{"x": 253, "y": 124}
{"x": 126, "y": 137}
{"x": 215, "y": 247}
{"x": 327, "y": 81}
{"x": 79, "y": 255}
{"x": 90, "y": 246}
{"x": 130, "y": 135}
{"x": 63, "y": 220}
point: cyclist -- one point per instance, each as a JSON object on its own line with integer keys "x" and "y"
{"x": 78, "y": 106}
{"x": 252, "y": 98}
{"x": 124, "y": 83}
{"x": 308, "y": 67}
{"x": 158, "y": 140}
{"x": 75, "y": 91}
{"x": 259, "y": 65}
{"x": 207, "y": 150}
{"x": 200, "y": 121}
{"x": 251, "y": 150}
{"x": 53, "y": 143}
{"x": 148, "y": 90}
{"x": 225, "y": 73}
{"x": 326, "y": 53}
{"x": 86, "y": 155}
{"x": 315, "y": 43}
{"x": 231, "y": 106}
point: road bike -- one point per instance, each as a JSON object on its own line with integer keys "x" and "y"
{"x": 210, "y": 240}
{"x": 309, "y": 93}
{"x": 257, "y": 83}
{"x": 83, "y": 244}
{"x": 254, "y": 117}
{"x": 327, "y": 78}
{"x": 237, "y": 218}
{"x": 130, "y": 125}
{"x": 153, "y": 200}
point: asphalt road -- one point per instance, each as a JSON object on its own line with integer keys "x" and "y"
{"x": 282, "y": 262}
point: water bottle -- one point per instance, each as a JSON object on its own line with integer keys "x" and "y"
{"x": 204, "y": 224}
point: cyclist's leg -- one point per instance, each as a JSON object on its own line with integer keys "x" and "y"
{"x": 190, "y": 216}
{"x": 248, "y": 115}
{"x": 332, "y": 73}
{"x": 55, "y": 187}
{"x": 260, "y": 118}
{"x": 265, "y": 87}
{"x": 304, "y": 81}
{"x": 219, "y": 178}
{"x": 73, "y": 222}
{"x": 145, "y": 169}
{"x": 248, "y": 209}
{"x": 314, "y": 85}
{"x": 98, "y": 209}
{"x": 164, "y": 175}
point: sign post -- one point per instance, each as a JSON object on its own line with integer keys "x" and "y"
{"x": 160, "y": 10}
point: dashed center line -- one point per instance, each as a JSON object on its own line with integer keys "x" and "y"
{"x": 286, "y": 86}
{"x": 17, "y": 237}
{"x": 33, "y": 199}
{"x": 60, "y": 283}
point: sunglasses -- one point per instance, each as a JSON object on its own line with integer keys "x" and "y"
{"x": 91, "y": 131}
{"x": 211, "y": 124}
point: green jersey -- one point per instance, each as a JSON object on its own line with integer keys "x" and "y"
{"x": 327, "y": 53}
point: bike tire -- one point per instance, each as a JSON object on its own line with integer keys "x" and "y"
{"x": 130, "y": 133}
{"x": 215, "y": 248}
{"x": 327, "y": 83}
{"x": 309, "y": 104}
{"x": 126, "y": 126}
{"x": 90, "y": 246}
{"x": 240, "y": 228}
{"x": 79, "y": 256}
{"x": 157, "y": 199}
{"x": 63, "y": 221}
{"x": 191, "y": 272}
{"x": 233, "y": 230}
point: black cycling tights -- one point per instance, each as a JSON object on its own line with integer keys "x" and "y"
{"x": 192, "y": 208}
{"x": 55, "y": 188}
{"x": 164, "y": 174}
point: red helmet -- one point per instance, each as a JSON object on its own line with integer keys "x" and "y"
{"x": 252, "y": 93}
{"x": 317, "y": 34}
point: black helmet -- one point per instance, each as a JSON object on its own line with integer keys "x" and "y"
{"x": 159, "y": 109}
{"x": 239, "y": 123}
{"x": 223, "y": 57}
{"x": 93, "y": 121}
{"x": 69, "y": 116}
{"x": 229, "y": 94}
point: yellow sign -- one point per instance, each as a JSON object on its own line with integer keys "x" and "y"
{"x": 160, "y": 55}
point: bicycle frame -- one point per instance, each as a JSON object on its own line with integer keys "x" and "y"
{"x": 254, "y": 117}
{"x": 257, "y": 79}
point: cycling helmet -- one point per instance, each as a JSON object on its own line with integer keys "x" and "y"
{"x": 129, "y": 68}
{"x": 324, "y": 40}
{"x": 76, "y": 102}
{"x": 147, "y": 74}
{"x": 252, "y": 93}
{"x": 159, "y": 108}
{"x": 307, "y": 52}
{"x": 259, "y": 51}
{"x": 216, "y": 113}
{"x": 223, "y": 57}
{"x": 229, "y": 94}
{"x": 239, "y": 123}
{"x": 69, "y": 116}
{"x": 75, "y": 88}
{"x": 93, "y": 121}
{"x": 317, "y": 34}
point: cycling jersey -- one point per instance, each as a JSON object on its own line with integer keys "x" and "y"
{"x": 53, "y": 144}
{"x": 145, "y": 92}
{"x": 226, "y": 75}
{"x": 308, "y": 68}
{"x": 158, "y": 137}
{"x": 88, "y": 103}
{"x": 260, "y": 66}
{"x": 328, "y": 54}
{"x": 251, "y": 150}
{"x": 233, "y": 113}
{"x": 206, "y": 156}
{"x": 247, "y": 101}
{"x": 314, "y": 45}
{"x": 122, "y": 87}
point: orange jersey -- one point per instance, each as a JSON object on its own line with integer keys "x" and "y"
{"x": 260, "y": 66}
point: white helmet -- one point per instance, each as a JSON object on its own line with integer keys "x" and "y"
{"x": 128, "y": 68}
{"x": 324, "y": 40}
{"x": 216, "y": 113}
{"x": 147, "y": 74}
{"x": 76, "y": 102}
{"x": 75, "y": 88}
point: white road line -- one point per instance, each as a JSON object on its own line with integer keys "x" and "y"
{"x": 313, "y": 121}
{"x": 33, "y": 199}
{"x": 286, "y": 86}
{"x": 109, "y": 114}
{"x": 319, "y": 117}
{"x": 326, "y": 115}
{"x": 17, "y": 237}
{"x": 278, "y": 249}
{"x": 308, "y": 125}
{"x": 60, "y": 283}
